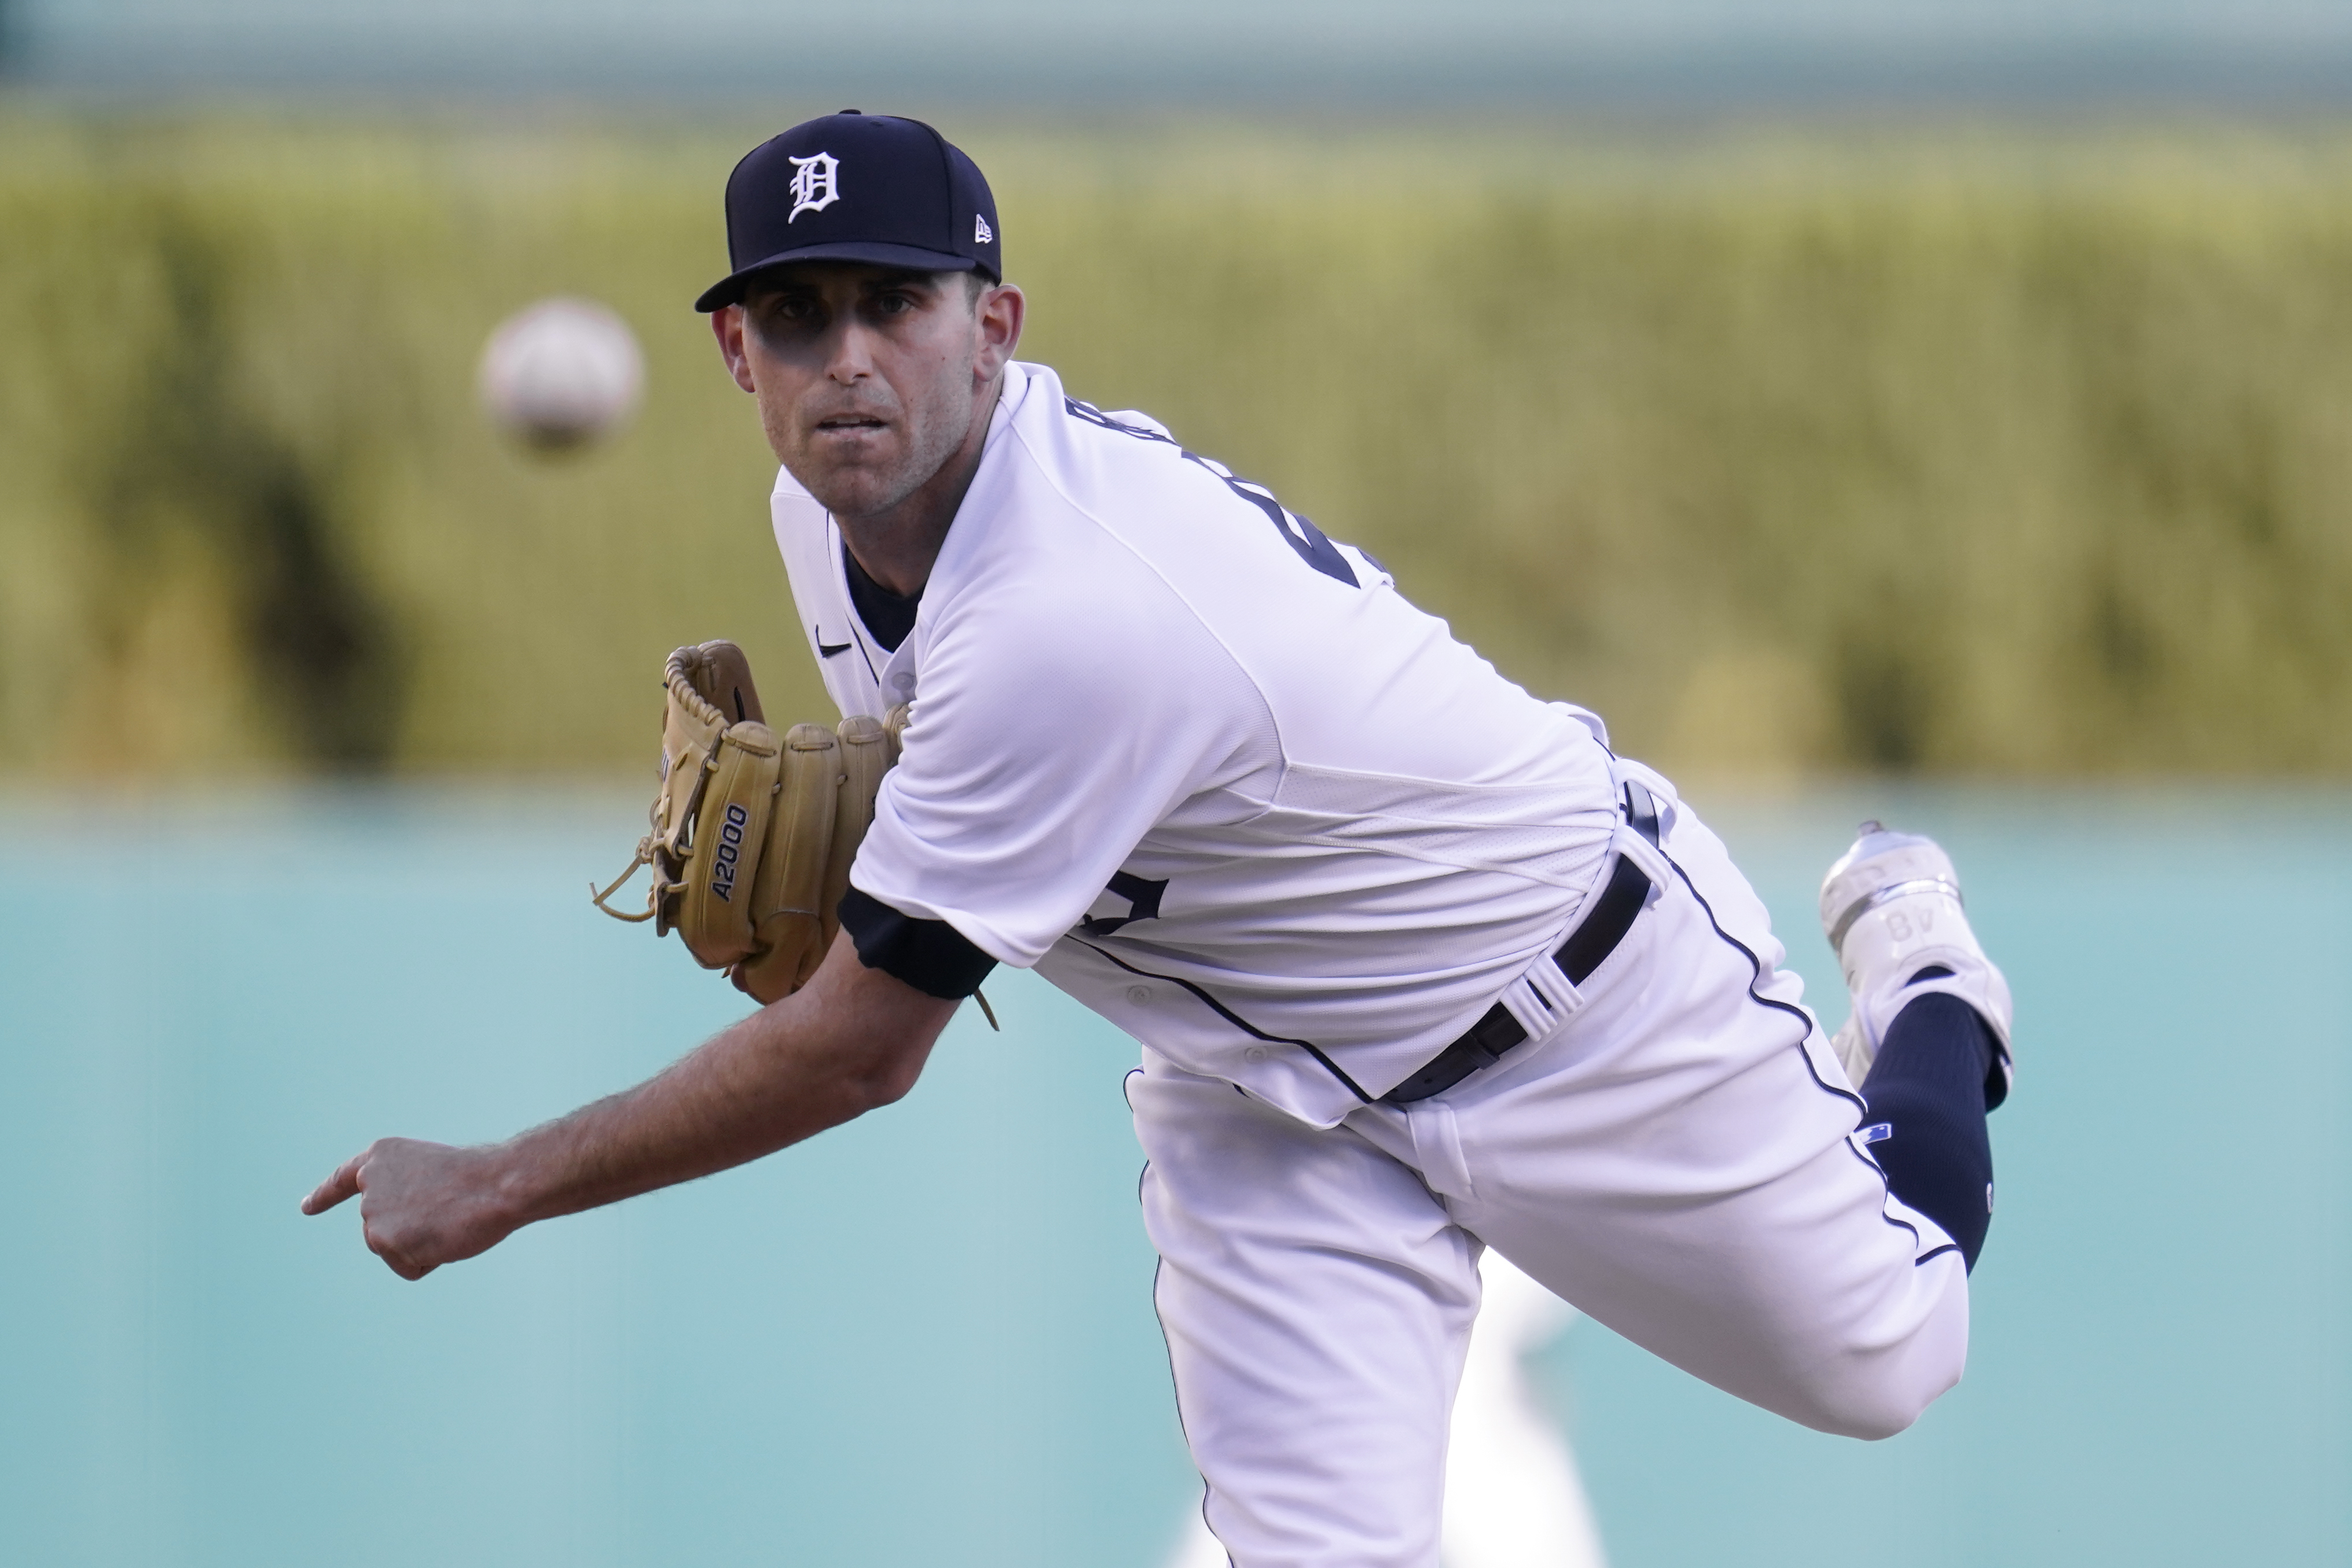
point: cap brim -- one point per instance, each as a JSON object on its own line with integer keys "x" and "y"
{"x": 729, "y": 290}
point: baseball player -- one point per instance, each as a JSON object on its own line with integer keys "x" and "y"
{"x": 1419, "y": 966}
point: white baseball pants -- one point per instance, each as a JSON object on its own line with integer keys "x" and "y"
{"x": 1676, "y": 1159}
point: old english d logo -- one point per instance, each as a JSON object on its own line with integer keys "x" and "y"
{"x": 816, "y": 184}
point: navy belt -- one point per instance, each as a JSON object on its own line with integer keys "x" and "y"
{"x": 1622, "y": 901}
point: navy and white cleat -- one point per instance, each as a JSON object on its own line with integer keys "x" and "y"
{"x": 1890, "y": 908}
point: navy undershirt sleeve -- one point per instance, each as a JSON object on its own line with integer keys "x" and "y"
{"x": 931, "y": 955}
{"x": 1927, "y": 1098}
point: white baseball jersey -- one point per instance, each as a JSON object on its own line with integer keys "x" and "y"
{"x": 1206, "y": 769}
{"x": 1210, "y": 773}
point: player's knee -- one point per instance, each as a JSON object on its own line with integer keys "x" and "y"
{"x": 1867, "y": 1412}
{"x": 1871, "y": 1419}
{"x": 1871, "y": 1399}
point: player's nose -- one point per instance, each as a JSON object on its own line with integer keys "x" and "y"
{"x": 851, "y": 353}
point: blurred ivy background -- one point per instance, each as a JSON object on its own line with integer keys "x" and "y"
{"x": 1989, "y": 450}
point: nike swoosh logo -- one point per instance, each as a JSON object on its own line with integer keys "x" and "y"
{"x": 827, "y": 650}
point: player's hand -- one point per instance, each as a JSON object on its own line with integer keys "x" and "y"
{"x": 421, "y": 1204}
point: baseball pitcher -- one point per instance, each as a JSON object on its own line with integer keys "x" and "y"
{"x": 1419, "y": 966}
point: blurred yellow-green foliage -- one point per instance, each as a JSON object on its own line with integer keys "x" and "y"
{"x": 1996, "y": 452}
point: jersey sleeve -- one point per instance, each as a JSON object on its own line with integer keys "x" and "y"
{"x": 1042, "y": 748}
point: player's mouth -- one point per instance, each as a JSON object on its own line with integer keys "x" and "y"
{"x": 850, "y": 425}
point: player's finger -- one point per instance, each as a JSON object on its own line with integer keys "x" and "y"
{"x": 343, "y": 1184}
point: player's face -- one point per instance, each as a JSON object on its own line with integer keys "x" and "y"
{"x": 869, "y": 379}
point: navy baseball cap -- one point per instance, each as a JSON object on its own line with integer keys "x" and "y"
{"x": 857, "y": 187}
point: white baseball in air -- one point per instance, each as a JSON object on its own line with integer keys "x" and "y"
{"x": 562, "y": 372}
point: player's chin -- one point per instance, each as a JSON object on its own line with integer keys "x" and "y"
{"x": 856, "y": 489}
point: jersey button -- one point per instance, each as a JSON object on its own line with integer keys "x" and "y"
{"x": 904, "y": 681}
{"x": 1139, "y": 995}
{"x": 1254, "y": 1055}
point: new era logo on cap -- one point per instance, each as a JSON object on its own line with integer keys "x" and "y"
{"x": 857, "y": 187}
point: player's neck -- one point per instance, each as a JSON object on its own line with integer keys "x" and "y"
{"x": 898, "y": 546}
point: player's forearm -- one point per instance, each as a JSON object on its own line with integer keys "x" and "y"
{"x": 851, "y": 1039}
{"x": 764, "y": 1083}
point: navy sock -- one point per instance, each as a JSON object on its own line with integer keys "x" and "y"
{"x": 1927, "y": 1098}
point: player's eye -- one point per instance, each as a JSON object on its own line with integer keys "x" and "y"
{"x": 780, "y": 310}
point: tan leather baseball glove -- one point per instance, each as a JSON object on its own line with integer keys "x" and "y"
{"x": 753, "y": 832}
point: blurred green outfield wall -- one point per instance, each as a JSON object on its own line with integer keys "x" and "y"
{"x": 1984, "y": 452}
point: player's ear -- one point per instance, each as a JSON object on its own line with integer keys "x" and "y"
{"x": 726, "y": 326}
{"x": 999, "y": 314}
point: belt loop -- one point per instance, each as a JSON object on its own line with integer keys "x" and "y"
{"x": 1641, "y": 810}
{"x": 1437, "y": 1149}
{"x": 1555, "y": 990}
